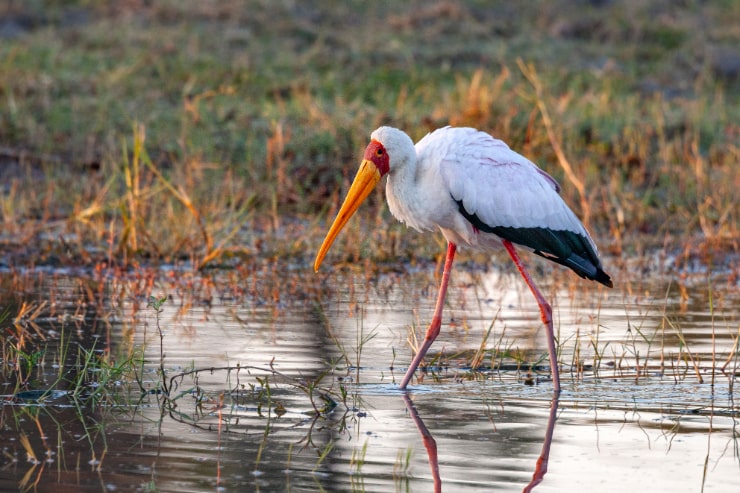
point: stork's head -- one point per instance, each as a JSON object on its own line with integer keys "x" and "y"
{"x": 388, "y": 147}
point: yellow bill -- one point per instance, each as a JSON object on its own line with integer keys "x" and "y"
{"x": 367, "y": 177}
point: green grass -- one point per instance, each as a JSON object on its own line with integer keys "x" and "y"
{"x": 250, "y": 116}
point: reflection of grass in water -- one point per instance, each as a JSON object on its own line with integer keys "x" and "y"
{"x": 362, "y": 339}
{"x": 654, "y": 344}
{"x": 357, "y": 478}
{"x": 401, "y": 467}
{"x": 637, "y": 354}
{"x": 95, "y": 382}
{"x": 266, "y": 399}
{"x": 84, "y": 386}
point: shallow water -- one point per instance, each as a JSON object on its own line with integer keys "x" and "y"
{"x": 285, "y": 381}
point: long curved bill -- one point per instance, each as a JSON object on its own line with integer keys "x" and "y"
{"x": 367, "y": 177}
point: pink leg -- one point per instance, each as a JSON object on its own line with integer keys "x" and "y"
{"x": 433, "y": 330}
{"x": 545, "y": 310}
{"x": 429, "y": 443}
{"x": 540, "y": 468}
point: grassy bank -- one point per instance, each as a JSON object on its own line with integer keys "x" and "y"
{"x": 210, "y": 130}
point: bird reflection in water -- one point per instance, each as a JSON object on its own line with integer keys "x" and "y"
{"x": 430, "y": 444}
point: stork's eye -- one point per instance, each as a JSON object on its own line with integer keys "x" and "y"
{"x": 379, "y": 152}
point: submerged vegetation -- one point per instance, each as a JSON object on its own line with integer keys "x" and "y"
{"x": 77, "y": 372}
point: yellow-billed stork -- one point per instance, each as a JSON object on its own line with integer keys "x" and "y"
{"x": 478, "y": 193}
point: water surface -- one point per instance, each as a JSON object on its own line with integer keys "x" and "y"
{"x": 285, "y": 381}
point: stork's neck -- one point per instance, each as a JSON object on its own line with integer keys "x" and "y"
{"x": 403, "y": 187}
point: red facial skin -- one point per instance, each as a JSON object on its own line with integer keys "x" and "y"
{"x": 376, "y": 153}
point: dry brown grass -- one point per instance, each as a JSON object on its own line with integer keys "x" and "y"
{"x": 191, "y": 132}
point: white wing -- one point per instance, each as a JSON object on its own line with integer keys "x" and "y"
{"x": 498, "y": 185}
{"x": 500, "y": 191}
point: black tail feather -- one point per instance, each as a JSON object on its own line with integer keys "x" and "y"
{"x": 567, "y": 248}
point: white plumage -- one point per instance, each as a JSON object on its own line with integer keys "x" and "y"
{"x": 500, "y": 186}
{"x": 478, "y": 193}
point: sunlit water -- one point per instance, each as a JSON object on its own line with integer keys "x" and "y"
{"x": 285, "y": 381}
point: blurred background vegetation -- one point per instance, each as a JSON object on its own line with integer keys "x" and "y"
{"x": 211, "y": 130}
